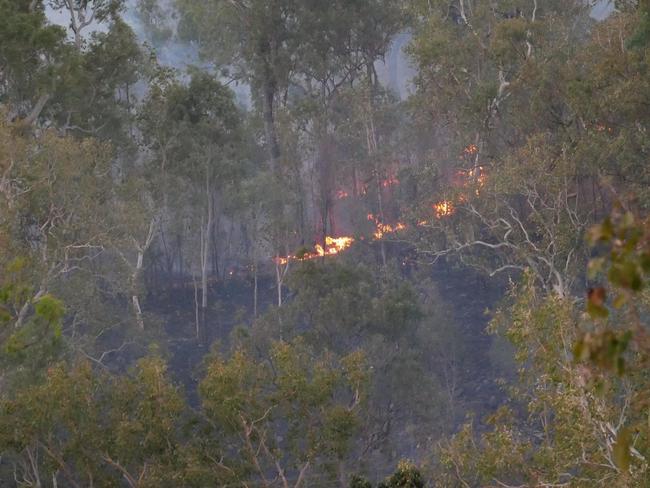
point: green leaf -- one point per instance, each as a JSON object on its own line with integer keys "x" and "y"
{"x": 645, "y": 262}
{"x": 580, "y": 351}
{"x": 626, "y": 275}
{"x": 49, "y": 308}
{"x": 597, "y": 311}
{"x": 620, "y": 300}
{"x": 621, "y": 450}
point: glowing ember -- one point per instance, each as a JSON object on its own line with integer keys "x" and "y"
{"x": 390, "y": 181}
{"x": 600, "y": 127}
{"x": 475, "y": 177}
{"x": 342, "y": 194}
{"x": 470, "y": 150}
{"x": 443, "y": 209}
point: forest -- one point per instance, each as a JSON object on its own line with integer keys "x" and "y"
{"x": 309, "y": 243}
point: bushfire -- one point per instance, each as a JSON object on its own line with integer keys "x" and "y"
{"x": 333, "y": 246}
{"x": 444, "y": 208}
{"x": 473, "y": 178}
{"x": 470, "y": 150}
{"x": 381, "y": 229}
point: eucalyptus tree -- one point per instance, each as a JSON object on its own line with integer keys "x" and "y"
{"x": 340, "y": 44}
{"x": 339, "y": 308}
{"x": 30, "y": 49}
{"x": 82, "y": 427}
{"x": 195, "y": 135}
{"x": 255, "y": 44}
{"x": 290, "y": 416}
{"x": 499, "y": 86}
{"x": 96, "y": 92}
{"x": 83, "y": 14}
{"x": 559, "y": 172}
{"x": 59, "y": 230}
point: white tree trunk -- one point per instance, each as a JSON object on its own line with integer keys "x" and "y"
{"x": 135, "y": 299}
{"x": 205, "y": 247}
{"x": 137, "y": 272}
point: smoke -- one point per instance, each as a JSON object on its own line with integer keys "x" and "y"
{"x": 396, "y": 71}
{"x": 169, "y": 51}
{"x": 602, "y": 9}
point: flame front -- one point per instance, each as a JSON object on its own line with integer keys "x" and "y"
{"x": 475, "y": 178}
{"x": 333, "y": 246}
{"x": 337, "y": 244}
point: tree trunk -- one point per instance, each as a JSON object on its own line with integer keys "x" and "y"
{"x": 179, "y": 245}
{"x": 371, "y": 141}
{"x": 36, "y": 110}
{"x": 137, "y": 272}
{"x": 22, "y": 315}
{"x": 269, "y": 123}
{"x": 197, "y": 321}
{"x": 205, "y": 247}
{"x": 206, "y": 232}
{"x": 278, "y": 282}
{"x": 255, "y": 289}
{"x": 135, "y": 277}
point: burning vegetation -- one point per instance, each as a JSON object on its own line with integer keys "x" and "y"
{"x": 443, "y": 209}
{"x": 381, "y": 229}
{"x": 333, "y": 246}
{"x": 471, "y": 179}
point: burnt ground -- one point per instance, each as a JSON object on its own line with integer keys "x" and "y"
{"x": 467, "y": 294}
{"x": 472, "y": 299}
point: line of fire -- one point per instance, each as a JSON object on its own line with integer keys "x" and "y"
{"x": 462, "y": 181}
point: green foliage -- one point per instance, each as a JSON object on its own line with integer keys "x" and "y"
{"x": 406, "y": 476}
{"x": 29, "y": 49}
{"x": 359, "y": 482}
{"x": 565, "y": 406}
{"x": 291, "y": 411}
{"x": 85, "y": 425}
{"x": 625, "y": 266}
{"x": 641, "y": 37}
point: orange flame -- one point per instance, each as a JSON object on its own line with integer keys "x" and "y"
{"x": 472, "y": 177}
{"x": 342, "y": 194}
{"x": 470, "y": 150}
{"x": 382, "y": 229}
{"x": 443, "y": 209}
{"x": 333, "y": 246}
